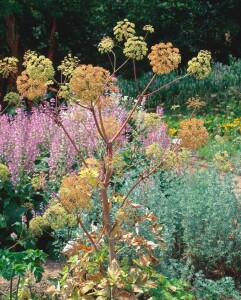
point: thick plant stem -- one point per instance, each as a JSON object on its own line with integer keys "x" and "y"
{"x": 134, "y": 108}
{"x": 107, "y": 222}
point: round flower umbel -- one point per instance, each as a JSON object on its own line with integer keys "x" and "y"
{"x": 8, "y": 65}
{"x": 200, "y": 66}
{"x": 12, "y": 99}
{"x": 29, "y": 87}
{"x": 4, "y": 173}
{"x": 75, "y": 193}
{"x": 106, "y": 45}
{"x": 39, "y": 67}
{"x": 88, "y": 83}
{"x": 148, "y": 28}
{"x": 68, "y": 65}
{"x": 164, "y": 58}
{"x": 135, "y": 48}
{"x": 124, "y": 30}
{"x": 193, "y": 134}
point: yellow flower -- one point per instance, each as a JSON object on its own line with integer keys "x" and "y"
{"x": 135, "y": 48}
{"x": 155, "y": 152}
{"x": 152, "y": 120}
{"x": 75, "y": 193}
{"x": 164, "y": 58}
{"x": 200, "y": 66}
{"x": 106, "y": 45}
{"x": 124, "y": 30}
{"x": 172, "y": 131}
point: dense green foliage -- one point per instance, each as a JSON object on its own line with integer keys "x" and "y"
{"x": 213, "y": 25}
{"x": 221, "y": 90}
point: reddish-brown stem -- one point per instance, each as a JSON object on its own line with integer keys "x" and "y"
{"x": 102, "y": 124}
{"x": 107, "y": 222}
{"x": 97, "y": 124}
{"x": 143, "y": 177}
{"x": 166, "y": 85}
{"x": 67, "y": 134}
{"x": 133, "y": 109}
{"x": 134, "y": 69}
{"x": 109, "y": 166}
{"x": 87, "y": 233}
{"x": 72, "y": 142}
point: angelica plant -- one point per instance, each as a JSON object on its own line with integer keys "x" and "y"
{"x": 93, "y": 91}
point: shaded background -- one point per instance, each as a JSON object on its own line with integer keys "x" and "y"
{"x": 56, "y": 27}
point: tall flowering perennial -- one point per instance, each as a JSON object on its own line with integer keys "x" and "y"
{"x": 103, "y": 139}
{"x": 29, "y": 87}
{"x": 39, "y": 67}
{"x": 148, "y": 28}
{"x": 68, "y": 65}
{"x": 13, "y": 99}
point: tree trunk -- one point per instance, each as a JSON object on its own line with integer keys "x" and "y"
{"x": 52, "y": 40}
{"x": 12, "y": 35}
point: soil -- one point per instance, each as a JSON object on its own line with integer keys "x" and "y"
{"x": 51, "y": 270}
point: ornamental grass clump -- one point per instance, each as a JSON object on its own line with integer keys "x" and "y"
{"x": 101, "y": 140}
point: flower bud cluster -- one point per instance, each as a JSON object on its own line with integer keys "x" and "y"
{"x": 4, "y": 173}
{"x": 68, "y": 65}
